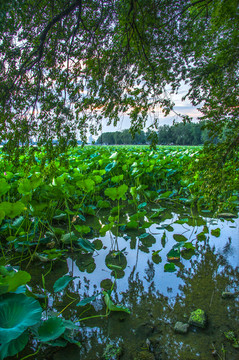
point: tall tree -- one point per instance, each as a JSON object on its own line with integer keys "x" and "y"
{"x": 66, "y": 64}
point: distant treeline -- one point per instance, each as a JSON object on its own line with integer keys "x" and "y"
{"x": 178, "y": 134}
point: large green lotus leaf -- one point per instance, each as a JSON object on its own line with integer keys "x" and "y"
{"x": 62, "y": 283}
{"x": 4, "y": 187}
{"x": 12, "y": 209}
{"x": 116, "y": 193}
{"x": 86, "y": 185}
{"x": 17, "y": 313}
{"x": 24, "y": 187}
{"x": 51, "y": 329}
{"x": 14, "y": 346}
{"x": 13, "y": 280}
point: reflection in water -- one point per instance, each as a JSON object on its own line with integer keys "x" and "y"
{"x": 157, "y": 299}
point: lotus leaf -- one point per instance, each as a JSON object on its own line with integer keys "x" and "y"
{"x": 25, "y": 187}
{"x": 86, "y": 245}
{"x": 17, "y": 313}
{"x": 216, "y": 232}
{"x": 111, "y": 306}
{"x": 4, "y": 187}
{"x": 82, "y": 229}
{"x": 14, "y": 346}
{"x": 51, "y": 329}
{"x": 140, "y": 206}
{"x": 86, "y": 185}
{"x": 110, "y": 166}
{"x": 12, "y": 280}
{"x": 169, "y": 267}
{"x": 87, "y": 300}
{"x": 62, "y": 282}
{"x": 67, "y": 238}
{"x": 12, "y": 209}
{"x": 179, "y": 237}
{"x": 116, "y": 193}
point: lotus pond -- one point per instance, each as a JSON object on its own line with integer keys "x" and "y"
{"x": 105, "y": 249}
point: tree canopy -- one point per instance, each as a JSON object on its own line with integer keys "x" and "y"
{"x": 66, "y": 64}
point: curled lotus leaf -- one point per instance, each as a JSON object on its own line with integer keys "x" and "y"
{"x": 17, "y": 313}
{"x": 14, "y": 346}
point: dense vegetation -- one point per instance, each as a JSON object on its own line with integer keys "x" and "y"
{"x": 45, "y": 206}
{"x": 66, "y": 65}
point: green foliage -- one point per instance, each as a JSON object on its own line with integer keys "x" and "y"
{"x": 116, "y": 193}
{"x": 41, "y": 221}
{"x": 86, "y": 245}
{"x": 169, "y": 267}
{"x": 87, "y": 300}
{"x": 14, "y": 346}
{"x": 11, "y": 280}
{"x": 111, "y": 306}
{"x": 18, "y": 312}
{"x": 216, "y": 232}
{"x": 62, "y": 283}
{"x": 12, "y": 209}
{"x": 51, "y": 329}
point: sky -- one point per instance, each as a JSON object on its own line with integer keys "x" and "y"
{"x": 182, "y": 107}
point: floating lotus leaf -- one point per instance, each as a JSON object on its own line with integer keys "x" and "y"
{"x": 86, "y": 262}
{"x": 179, "y": 237}
{"x": 216, "y": 232}
{"x": 169, "y": 267}
{"x": 51, "y": 329}
{"x": 97, "y": 244}
{"x": 17, "y": 313}
{"x": 116, "y": 261}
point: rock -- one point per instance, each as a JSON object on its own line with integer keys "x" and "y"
{"x": 181, "y": 328}
{"x": 198, "y": 318}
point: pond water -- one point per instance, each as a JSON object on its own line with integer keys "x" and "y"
{"x": 138, "y": 266}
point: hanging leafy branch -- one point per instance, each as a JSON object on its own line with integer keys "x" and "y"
{"x": 67, "y": 64}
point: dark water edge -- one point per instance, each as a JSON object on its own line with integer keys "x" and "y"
{"x": 156, "y": 299}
